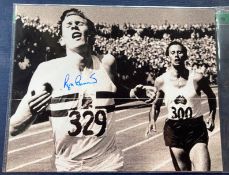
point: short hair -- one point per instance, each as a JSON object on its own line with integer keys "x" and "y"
{"x": 74, "y": 11}
{"x": 184, "y": 49}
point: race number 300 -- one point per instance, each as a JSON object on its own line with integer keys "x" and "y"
{"x": 181, "y": 113}
{"x": 87, "y": 123}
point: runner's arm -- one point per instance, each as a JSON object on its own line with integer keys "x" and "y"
{"x": 33, "y": 102}
{"x": 156, "y": 106}
{"x": 110, "y": 65}
{"x": 204, "y": 86}
{"x": 139, "y": 92}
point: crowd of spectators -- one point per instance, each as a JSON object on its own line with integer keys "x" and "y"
{"x": 141, "y": 48}
{"x": 138, "y": 48}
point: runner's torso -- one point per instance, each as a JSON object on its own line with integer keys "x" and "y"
{"x": 182, "y": 102}
{"x": 81, "y": 110}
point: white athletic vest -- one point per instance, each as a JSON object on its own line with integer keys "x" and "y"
{"x": 182, "y": 103}
{"x": 81, "y": 110}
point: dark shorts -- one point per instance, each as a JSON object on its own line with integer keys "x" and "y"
{"x": 185, "y": 133}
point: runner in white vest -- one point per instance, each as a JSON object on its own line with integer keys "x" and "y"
{"x": 185, "y": 131}
{"x": 78, "y": 92}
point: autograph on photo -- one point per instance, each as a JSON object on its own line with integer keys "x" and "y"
{"x": 78, "y": 81}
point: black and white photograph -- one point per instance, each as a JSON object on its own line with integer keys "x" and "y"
{"x": 113, "y": 89}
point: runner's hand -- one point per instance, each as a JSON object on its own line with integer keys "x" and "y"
{"x": 210, "y": 124}
{"x": 39, "y": 100}
{"x": 150, "y": 93}
{"x": 144, "y": 93}
{"x": 150, "y": 130}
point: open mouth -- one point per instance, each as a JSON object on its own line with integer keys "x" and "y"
{"x": 177, "y": 61}
{"x": 76, "y": 35}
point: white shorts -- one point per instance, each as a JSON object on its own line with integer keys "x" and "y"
{"x": 110, "y": 161}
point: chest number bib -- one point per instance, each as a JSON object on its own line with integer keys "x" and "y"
{"x": 87, "y": 122}
{"x": 181, "y": 113}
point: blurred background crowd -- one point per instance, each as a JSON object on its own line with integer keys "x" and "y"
{"x": 138, "y": 48}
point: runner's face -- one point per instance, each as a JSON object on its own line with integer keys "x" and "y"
{"x": 74, "y": 32}
{"x": 176, "y": 55}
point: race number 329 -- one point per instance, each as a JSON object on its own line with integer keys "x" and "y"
{"x": 87, "y": 123}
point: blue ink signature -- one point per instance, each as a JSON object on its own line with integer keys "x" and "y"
{"x": 78, "y": 81}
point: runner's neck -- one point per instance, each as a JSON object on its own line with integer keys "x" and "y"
{"x": 82, "y": 59}
{"x": 179, "y": 72}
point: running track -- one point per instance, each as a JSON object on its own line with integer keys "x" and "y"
{"x": 32, "y": 150}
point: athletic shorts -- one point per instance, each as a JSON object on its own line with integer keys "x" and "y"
{"x": 111, "y": 161}
{"x": 185, "y": 133}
